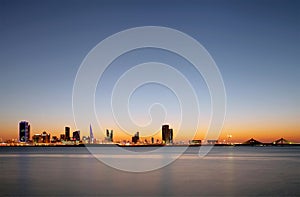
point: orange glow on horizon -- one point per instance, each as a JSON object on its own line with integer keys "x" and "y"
{"x": 240, "y": 133}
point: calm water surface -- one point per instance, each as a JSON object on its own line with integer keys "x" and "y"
{"x": 225, "y": 171}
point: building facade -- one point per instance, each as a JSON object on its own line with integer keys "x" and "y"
{"x": 136, "y": 138}
{"x": 67, "y": 133}
{"x": 167, "y": 134}
{"x": 24, "y": 131}
{"x": 76, "y": 135}
{"x": 109, "y": 136}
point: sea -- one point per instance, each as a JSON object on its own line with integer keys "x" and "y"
{"x": 224, "y": 171}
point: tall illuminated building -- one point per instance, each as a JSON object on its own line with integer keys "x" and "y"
{"x": 167, "y": 134}
{"x": 109, "y": 136}
{"x": 164, "y": 130}
{"x": 67, "y": 133}
{"x": 171, "y": 136}
{"x": 24, "y": 131}
{"x": 91, "y": 135}
{"x": 76, "y": 135}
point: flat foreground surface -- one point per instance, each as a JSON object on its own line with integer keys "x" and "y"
{"x": 225, "y": 171}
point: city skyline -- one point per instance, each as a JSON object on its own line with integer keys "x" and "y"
{"x": 164, "y": 136}
{"x": 255, "y": 45}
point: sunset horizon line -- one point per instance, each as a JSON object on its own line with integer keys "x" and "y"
{"x": 123, "y": 135}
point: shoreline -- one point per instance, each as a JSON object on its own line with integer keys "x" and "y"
{"x": 150, "y": 145}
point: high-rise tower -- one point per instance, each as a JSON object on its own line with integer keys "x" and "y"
{"x": 167, "y": 134}
{"x": 76, "y": 135}
{"x": 24, "y": 131}
{"x": 91, "y": 135}
{"x": 67, "y": 133}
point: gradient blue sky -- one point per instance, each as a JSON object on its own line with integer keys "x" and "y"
{"x": 256, "y": 45}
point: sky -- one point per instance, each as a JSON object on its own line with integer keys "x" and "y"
{"x": 255, "y": 45}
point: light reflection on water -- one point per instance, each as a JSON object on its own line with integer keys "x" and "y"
{"x": 224, "y": 171}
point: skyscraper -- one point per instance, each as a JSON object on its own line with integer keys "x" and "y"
{"x": 107, "y": 133}
{"x": 91, "y": 141}
{"x": 109, "y": 136}
{"x": 24, "y": 131}
{"x": 67, "y": 133}
{"x": 167, "y": 134}
{"x": 136, "y": 137}
{"x": 171, "y": 136}
{"x": 164, "y": 130}
{"x": 76, "y": 135}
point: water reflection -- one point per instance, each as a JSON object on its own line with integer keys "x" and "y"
{"x": 230, "y": 172}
